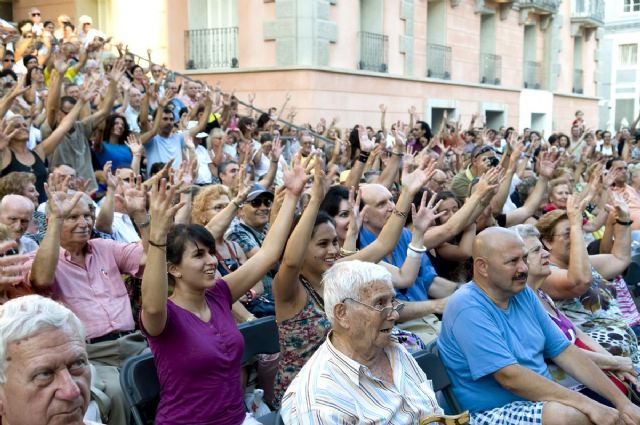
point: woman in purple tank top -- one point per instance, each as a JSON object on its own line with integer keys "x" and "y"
{"x": 196, "y": 345}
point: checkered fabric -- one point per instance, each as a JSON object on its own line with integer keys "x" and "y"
{"x": 516, "y": 413}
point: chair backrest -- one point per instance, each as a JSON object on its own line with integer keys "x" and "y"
{"x": 260, "y": 337}
{"x": 141, "y": 387}
{"x": 432, "y": 366}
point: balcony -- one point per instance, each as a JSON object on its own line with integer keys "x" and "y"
{"x": 490, "y": 69}
{"x": 439, "y": 61}
{"x": 540, "y": 7}
{"x": 532, "y": 75}
{"x": 578, "y": 78}
{"x": 211, "y": 48}
{"x": 587, "y": 13}
{"x": 374, "y": 50}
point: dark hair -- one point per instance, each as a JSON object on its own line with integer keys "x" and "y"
{"x": 322, "y": 218}
{"x": 110, "y": 123}
{"x": 263, "y": 119}
{"x": 244, "y": 123}
{"x": 10, "y": 72}
{"x": 222, "y": 167}
{"x": 70, "y": 25}
{"x": 8, "y": 53}
{"x": 180, "y": 235}
{"x": 45, "y": 23}
{"x": 443, "y": 196}
{"x": 427, "y": 130}
{"x": 266, "y": 137}
{"x": 331, "y": 202}
{"x": 156, "y": 167}
{"x": 28, "y": 78}
{"x": 610, "y": 162}
{"x": 417, "y": 199}
{"x": 354, "y": 141}
{"x": 67, "y": 99}
{"x": 27, "y": 58}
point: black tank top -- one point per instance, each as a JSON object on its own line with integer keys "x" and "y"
{"x": 38, "y": 168}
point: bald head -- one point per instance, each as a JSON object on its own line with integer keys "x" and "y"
{"x": 379, "y": 204}
{"x": 491, "y": 240}
{"x": 16, "y": 212}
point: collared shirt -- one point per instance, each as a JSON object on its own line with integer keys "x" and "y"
{"x": 96, "y": 292}
{"x": 26, "y": 245}
{"x": 335, "y": 389}
{"x": 122, "y": 228}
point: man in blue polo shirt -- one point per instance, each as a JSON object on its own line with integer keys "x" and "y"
{"x": 380, "y": 206}
{"x": 494, "y": 341}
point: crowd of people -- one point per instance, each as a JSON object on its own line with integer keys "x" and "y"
{"x": 141, "y": 210}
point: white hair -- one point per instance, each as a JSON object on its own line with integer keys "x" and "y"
{"x": 27, "y": 316}
{"x": 347, "y": 279}
{"x": 526, "y": 231}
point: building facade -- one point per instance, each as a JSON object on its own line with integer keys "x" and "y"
{"x": 526, "y": 63}
{"x": 619, "y": 69}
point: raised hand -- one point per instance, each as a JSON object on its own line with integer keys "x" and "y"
{"x": 162, "y": 210}
{"x": 276, "y": 148}
{"x": 117, "y": 71}
{"x": 112, "y": 180}
{"x": 548, "y": 164}
{"x": 12, "y": 267}
{"x": 295, "y": 178}
{"x": 321, "y": 183}
{"x": 7, "y": 132}
{"x": 134, "y": 199}
{"x": 489, "y": 181}
{"x": 383, "y": 108}
{"x": 366, "y": 144}
{"x": 427, "y": 215}
{"x": 60, "y": 204}
{"x": 618, "y": 208}
{"x": 575, "y": 207}
{"x": 134, "y": 145}
{"x": 356, "y": 216}
{"x": 416, "y": 180}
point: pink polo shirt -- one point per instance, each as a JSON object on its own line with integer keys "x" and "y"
{"x": 631, "y": 197}
{"x": 96, "y": 292}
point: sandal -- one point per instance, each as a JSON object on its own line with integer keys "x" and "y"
{"x": 461, "y": 419}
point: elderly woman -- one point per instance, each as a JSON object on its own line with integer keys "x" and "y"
{"x": 21, "y": 183}
{"x": 360, "y": 374}
{"x": 539, "y": 270}
{"x": 579, "y": 282}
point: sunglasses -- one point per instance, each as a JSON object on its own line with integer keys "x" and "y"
{"x": 35, "y": 14}
{"x": 256, "y": 203}
{"x": 9, "y": 60}
{"x": 485, "y": 149}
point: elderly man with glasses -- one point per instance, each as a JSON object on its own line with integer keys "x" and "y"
{"x": 360, "y": 374}
{"x": 482, "y": 158}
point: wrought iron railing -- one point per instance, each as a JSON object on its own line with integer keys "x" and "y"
{"x": 578, "y": 81}
{"x": 490, "y": 68}
{"x": 211, "y": 48}
{"x": 439, "y": 61}
{"x": 373, "y": 52}
{"x": 532, "y": 75}
{"x": 590, "y": 9}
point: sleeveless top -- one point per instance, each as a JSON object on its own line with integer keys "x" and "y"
{"x": 300, "y": 336}
{"x": 39, "y": 169}
{"x": 597, "y": 313}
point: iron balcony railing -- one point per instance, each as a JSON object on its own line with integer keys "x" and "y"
{"x": 588, "y": 10}
{"x": 211, "y": 48}
{"x": 490, "y": 68}
{"x": 578, "y": 78}
{"x": 374, "y": 52}
{"x": 438, "y": 61}
{"x": 532, "y": 75}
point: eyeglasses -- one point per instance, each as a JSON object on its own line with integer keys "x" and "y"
{"x": 256, "y": 203}
{"x": 385, "y": 312}
{"x": 35, "y": 14}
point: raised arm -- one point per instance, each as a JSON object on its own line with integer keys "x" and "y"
{"x": 274, "y": 159}
{"x": 154, "y": 280}
{"x": 202, "y": 123}
{"x": 366, "y": 146}
{"x": 50, "y": 144}
{"x": 286, "y": 287}
{"x": 241, "y": 280}
{"x": 390, "y": 172}
{"x": 107, "y": 103}
{"x": 104, "y": 220}
{"x": 134, "y": 145}
{"x": 390, "y": 233}
{"x": 611, "y": 265}
{"x": 574, "y": 281}
{"x": 146, "y": 136}
{"x": 219, "y": 224}
{"x": 46, "y": 260}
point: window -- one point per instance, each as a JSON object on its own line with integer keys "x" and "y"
{"x": 632, "y": 5}
{"x": 628, "y": 54}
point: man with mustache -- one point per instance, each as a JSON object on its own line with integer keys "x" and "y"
{"x": 495, "y": 338}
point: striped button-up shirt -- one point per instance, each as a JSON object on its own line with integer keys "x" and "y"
{"x": 335, "y": 389}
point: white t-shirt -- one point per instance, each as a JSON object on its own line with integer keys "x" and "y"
{"x": 204, "y": 173}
